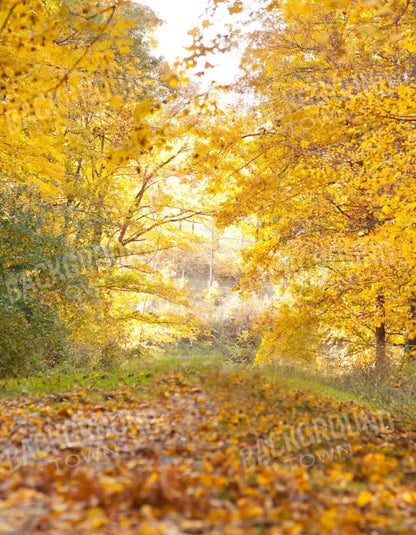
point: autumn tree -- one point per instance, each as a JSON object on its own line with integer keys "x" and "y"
{"x": 92, "y": 125}
{"x": 324, "y": 173}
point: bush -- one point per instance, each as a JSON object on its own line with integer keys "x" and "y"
{"x": 33, "y": 334}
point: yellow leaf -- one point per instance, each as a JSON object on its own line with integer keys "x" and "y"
{"x": 236, "y": 8}
{"x": 174, "y": 82}
{"x": 364, "y": 498}
{"x": 329, "y": 519}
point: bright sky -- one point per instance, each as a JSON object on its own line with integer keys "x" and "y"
{"x": 180, "y": 16}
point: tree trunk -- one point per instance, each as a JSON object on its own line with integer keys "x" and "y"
{"x": 211, "y": 260}
{"x": 381, "y": 344}
{"x": 410, "y": 343}
{"x": 381, "y": 358}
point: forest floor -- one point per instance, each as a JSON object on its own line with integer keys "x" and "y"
{"x": 194, "y": 452}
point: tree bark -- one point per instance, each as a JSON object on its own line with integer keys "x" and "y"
{"x": 410, "y": 343}
{"x": 381, "y": 357}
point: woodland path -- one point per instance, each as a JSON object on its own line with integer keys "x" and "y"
{"x": 193, "y": 453}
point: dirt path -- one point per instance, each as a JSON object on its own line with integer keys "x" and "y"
{"x": 218, "y": 453}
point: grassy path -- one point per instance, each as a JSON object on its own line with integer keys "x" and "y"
{"x": 211, "y": 452}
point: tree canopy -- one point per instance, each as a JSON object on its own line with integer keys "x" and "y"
{"x": 107, "y": 152}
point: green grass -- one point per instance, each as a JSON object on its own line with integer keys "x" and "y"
{"x": 197, "y": 361}
{"x": 193, "y": 361}
{"x": 42, "y": 386}
{"x": 319, "y": 388}
{"x": 157, "y": 366}
{"x": 353, "y": 385}
{"x": 133, "y": 374}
